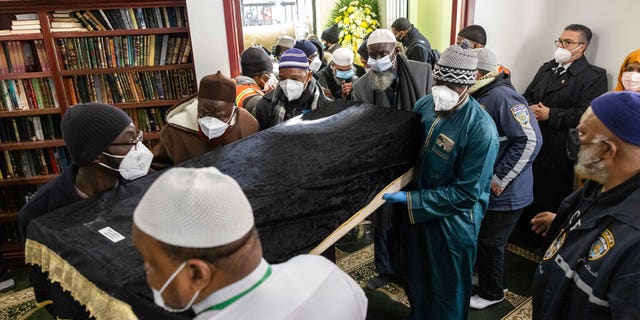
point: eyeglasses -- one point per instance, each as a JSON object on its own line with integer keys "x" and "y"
{"x": 565, "y": 42}
{"x": 132, "y": 142}
{"x": 573, "y": 144}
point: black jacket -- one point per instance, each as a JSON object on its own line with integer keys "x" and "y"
{"x": 416, "y": 46}
{"x": 327, "y": 79}
{"x": 266, "y": 109}
{"x": 568, "y": 96}
{"x": 591, "y": 269}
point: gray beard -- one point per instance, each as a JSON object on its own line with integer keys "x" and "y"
{"x": 382, "y": 80}
{"x": 586, "y": 168}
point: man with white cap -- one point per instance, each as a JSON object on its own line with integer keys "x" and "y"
{"x": 340, "y": 74}
{"x": 393, "y": 81}
{"x": 512, "y": 182}
{"x": 194, "y": 229}
{"x": 590, "y": 270}
{"x": 297, "y": 92}
{"x": 450, "y": 193}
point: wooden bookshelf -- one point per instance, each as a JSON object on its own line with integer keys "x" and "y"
{"x": 151, "y": 135}
{"x": 126, "y": 69}
{"x": 31, "y": 144}
{"x": 39, "y": 179}
{"x": 19, "y": 37}
{"x": 29, "y": 112}
{"x": 146, "y": 104}
{"x": 26, "y": 75}
{"x": 8, "y": 216}
{"x": 106, "y": 33}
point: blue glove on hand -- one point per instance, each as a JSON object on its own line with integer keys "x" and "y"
{"x": 396, "y": 197}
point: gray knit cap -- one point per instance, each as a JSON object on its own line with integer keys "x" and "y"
{"x": 88, "y": 129}
{"x": 457, "y": 64}
{"x": 487, "y": 61}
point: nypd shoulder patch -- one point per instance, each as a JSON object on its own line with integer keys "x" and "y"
{"x": 520, "y": 112}
{"x": 602, "y": 245}
{"x": 555, "y": 246}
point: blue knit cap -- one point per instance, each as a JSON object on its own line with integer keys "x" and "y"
{"x": 294, "y": 58}
{"x": 620, "y": 113}
{"x": 306, "y": 46}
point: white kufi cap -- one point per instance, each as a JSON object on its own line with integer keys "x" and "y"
{"x": 381, "y": 36}
{"x": 343, "y": 57}
{"x": 194, "y": 208}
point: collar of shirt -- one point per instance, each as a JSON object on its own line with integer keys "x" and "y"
{"x": 566, "y": 67}
{"x": 232, "y": 289}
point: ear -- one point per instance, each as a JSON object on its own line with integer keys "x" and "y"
{"x": 610, "y": 151}
{"x": 200, "y": 273}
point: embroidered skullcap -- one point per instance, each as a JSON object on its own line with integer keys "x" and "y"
{"x": 343, "y": 57}
{"x": 194, "y": 208}
{"x": 294, "y": 58}
{"x": 285, "y": 41}
{"x": 381, "y": 36}
{"x": 620, "y": 113}
{"x": 457, "y": 64}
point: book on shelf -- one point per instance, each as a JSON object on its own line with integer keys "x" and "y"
{"x": 25, "y": 22}
{"x": 24, "y": 94}
{"x": 129, "y": 18}
{"x": 23, "y": 56}
{"x": 26, "y": 27}
{"x": 56, "y": 24}
{"x": 33, "y": 162}
{"x": 27, "y": 16}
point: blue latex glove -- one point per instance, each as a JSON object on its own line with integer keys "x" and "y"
{"x": 396, "y": 197}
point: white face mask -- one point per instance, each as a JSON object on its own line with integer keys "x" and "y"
{"x": 272, "y": 82}
{"x": 213, "y": 127}
{"x": 380, "y": 65}
{"x": 444, "y": 98}
{"x": 631, "y": 81}
{"x": 292, "y": 88}
{"x": 134, "y": 164}
{"x": 157, "y": 294}
{"x": 562, "y": 55}
{"x": 315, "y": 64}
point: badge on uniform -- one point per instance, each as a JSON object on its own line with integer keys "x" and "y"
{"x": 521, "y": 113}
{"x": 602, "y": 245}
{"x": 445, "y": 143}
{"x": 555, "y": 246}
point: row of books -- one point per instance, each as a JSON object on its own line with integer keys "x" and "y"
{"x": 128, "y": 19}
{"x": 14, "y": 197}
{"x": 24, "y": 94}
{"x": 33, "y": 162}
{"x": 20, "y": 129}
{"x": 123, "y": 51}
{"x": 131, "y": 87}
{"x": 148, "y": 119}
{"x": 23, "y": 56}
{"x": 24, "y": 23}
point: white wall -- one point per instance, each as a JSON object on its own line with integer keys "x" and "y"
{"x": 521, "y": 32}
{"x": 208, "y": 37}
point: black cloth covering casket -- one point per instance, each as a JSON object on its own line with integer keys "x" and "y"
{"x": 303, "y": 179}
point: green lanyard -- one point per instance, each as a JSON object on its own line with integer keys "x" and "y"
{"x": 235, "y": 298}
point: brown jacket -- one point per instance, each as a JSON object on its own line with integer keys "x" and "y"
{"x": 181, "y": 139}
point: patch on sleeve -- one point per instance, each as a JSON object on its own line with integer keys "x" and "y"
{"x": 601, "y": 246}
{"x": 555, "y": 246}
{"x": 521, "y": 114}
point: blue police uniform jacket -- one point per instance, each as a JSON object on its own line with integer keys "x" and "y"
{"x": 591, "y": 270}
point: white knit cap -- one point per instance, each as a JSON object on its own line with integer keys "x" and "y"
{"x": 487, "y": 61}
{"x": 381, "y": 36}
{"x": 343, "y": 57}
{"x": 194, "y": 208}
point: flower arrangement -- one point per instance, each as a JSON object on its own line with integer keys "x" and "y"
{"x": 355, "y": 19}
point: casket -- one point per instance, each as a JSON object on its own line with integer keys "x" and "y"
{"x": 303, "y": 178}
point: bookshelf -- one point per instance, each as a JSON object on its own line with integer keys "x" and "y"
{"x": 135, "y": 55}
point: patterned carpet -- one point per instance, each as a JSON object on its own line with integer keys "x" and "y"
{"x": 14, "y": 305}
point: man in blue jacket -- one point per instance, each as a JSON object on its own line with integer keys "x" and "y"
{"x": 512, "y": 182}
{"x": 451, "y": 190}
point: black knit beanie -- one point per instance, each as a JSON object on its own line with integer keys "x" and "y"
{"x": 331, "y": 35}
{"x": 255, "y": 61}
{"x": 88, "y": 129}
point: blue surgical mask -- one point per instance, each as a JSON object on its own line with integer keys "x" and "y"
{"x": 345, "y": 74}
{"x": 380, "y": 65}
{"x": 157, "y": 294}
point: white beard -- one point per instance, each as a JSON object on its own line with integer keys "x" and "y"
{"x": 587, "y": 167}
{"x": 382, "y": 80}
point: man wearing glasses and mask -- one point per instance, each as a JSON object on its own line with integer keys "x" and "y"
{"x": 106, "y": 151}
{"x": 203, "y": 123}
{"x": 558, "y": 95}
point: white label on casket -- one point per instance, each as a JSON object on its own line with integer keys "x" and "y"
{"x": 111, "y": 234}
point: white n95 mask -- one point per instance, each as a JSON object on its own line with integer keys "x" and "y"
{"x": 213, "y": 127}
{"x": 444, "y": 98}
{"x": 134, "y": 164}
{"x": 315, "y": 64}
{"x": 292, "y": 88}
